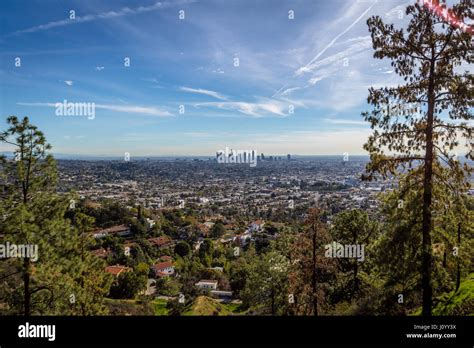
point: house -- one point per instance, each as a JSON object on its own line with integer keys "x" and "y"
{"x": 242, "y": 239}
{"x": 209, "y": 224}
{"x": 207, "y": 284}
{"x": 197, "y": 245}
{"x": 102, "y": 253}
{"x": 150, "y": 223}
{"x": 256, "y": 226}
{"x": 119, "y": 230}
{"x": 224, "y": 295}
{"x": 161, "y": 242}
{"x": 163, "y": 269}
{"x": 116, "y": 270}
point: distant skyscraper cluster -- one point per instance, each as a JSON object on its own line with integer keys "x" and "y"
{"x": 262, "y": 157}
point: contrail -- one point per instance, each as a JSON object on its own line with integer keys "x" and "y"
{"x": 301, "y": 70}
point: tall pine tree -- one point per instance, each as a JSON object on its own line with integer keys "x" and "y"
{"x": 430, "y": 56}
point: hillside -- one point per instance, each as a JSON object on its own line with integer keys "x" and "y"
{"x": 457, "y": 303}
{"x": 206, "y": 306}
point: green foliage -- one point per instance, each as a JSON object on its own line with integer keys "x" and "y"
{"x": 427, "y": 55}
{"x": 311, "y": 272}
{"x": 34, "y": 214}
{"x": 206, "y": 250}
{"x": 129, "y": 307}
{"x": 460, "y": 302}
{"x": 110, "y": 213}
{"x": 160, "y": 306}
{"x": 182, "y": 248}
{"x": 203, "y": 305}
{"x": 174, "y": 307}
{"x": 217, "y": 230}
{"x": 266, "y": 289}
{"x": 128, "y": 285}
{"x": 353, "y": 227}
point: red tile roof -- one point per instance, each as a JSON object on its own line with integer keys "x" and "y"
{"x": 160, "y": 241}
{"x": 116, "y": 269}
{"x": 162, "y": 265}
{"x": 100, "y": 252}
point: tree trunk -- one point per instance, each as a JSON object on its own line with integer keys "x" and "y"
{"x": 427, "y": 198}
{"x": 356, "y": 283}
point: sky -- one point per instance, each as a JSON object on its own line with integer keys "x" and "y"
{"x": 271, "y": 75}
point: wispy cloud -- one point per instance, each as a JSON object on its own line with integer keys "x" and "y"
{"x": 259, "y": 109}
{"x": 147, "y": 110}
{"x": 133, "y": 109}
{"x": 124, "y": 11}
{"x": 68, "y": 82}
{"x": 205, "y": 92}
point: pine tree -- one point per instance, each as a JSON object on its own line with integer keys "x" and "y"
{"x": 353, "y": 227}
{"x": 311, "y": 269}
{"x": 32, "y": 171}
{"x": 266, "y": 287}
{"x": 33, "y": 213}
{"x": 429, "y": 57}
{"x": 91, "y": 283}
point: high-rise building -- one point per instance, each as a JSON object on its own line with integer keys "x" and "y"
{"x": 288, "y": 157}
{"x": 263, "y": 157}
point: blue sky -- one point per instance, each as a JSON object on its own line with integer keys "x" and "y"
{"x": 319, "y": 63}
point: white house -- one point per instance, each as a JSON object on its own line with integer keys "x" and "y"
{"x": 256, "y": 226}
{"x": 163, "y": 269}
{"x": 150, "y": 223}
{"x": 120, "y": 230}
{"x": 207, "y": 284}
{"x": 243, "y": 239}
